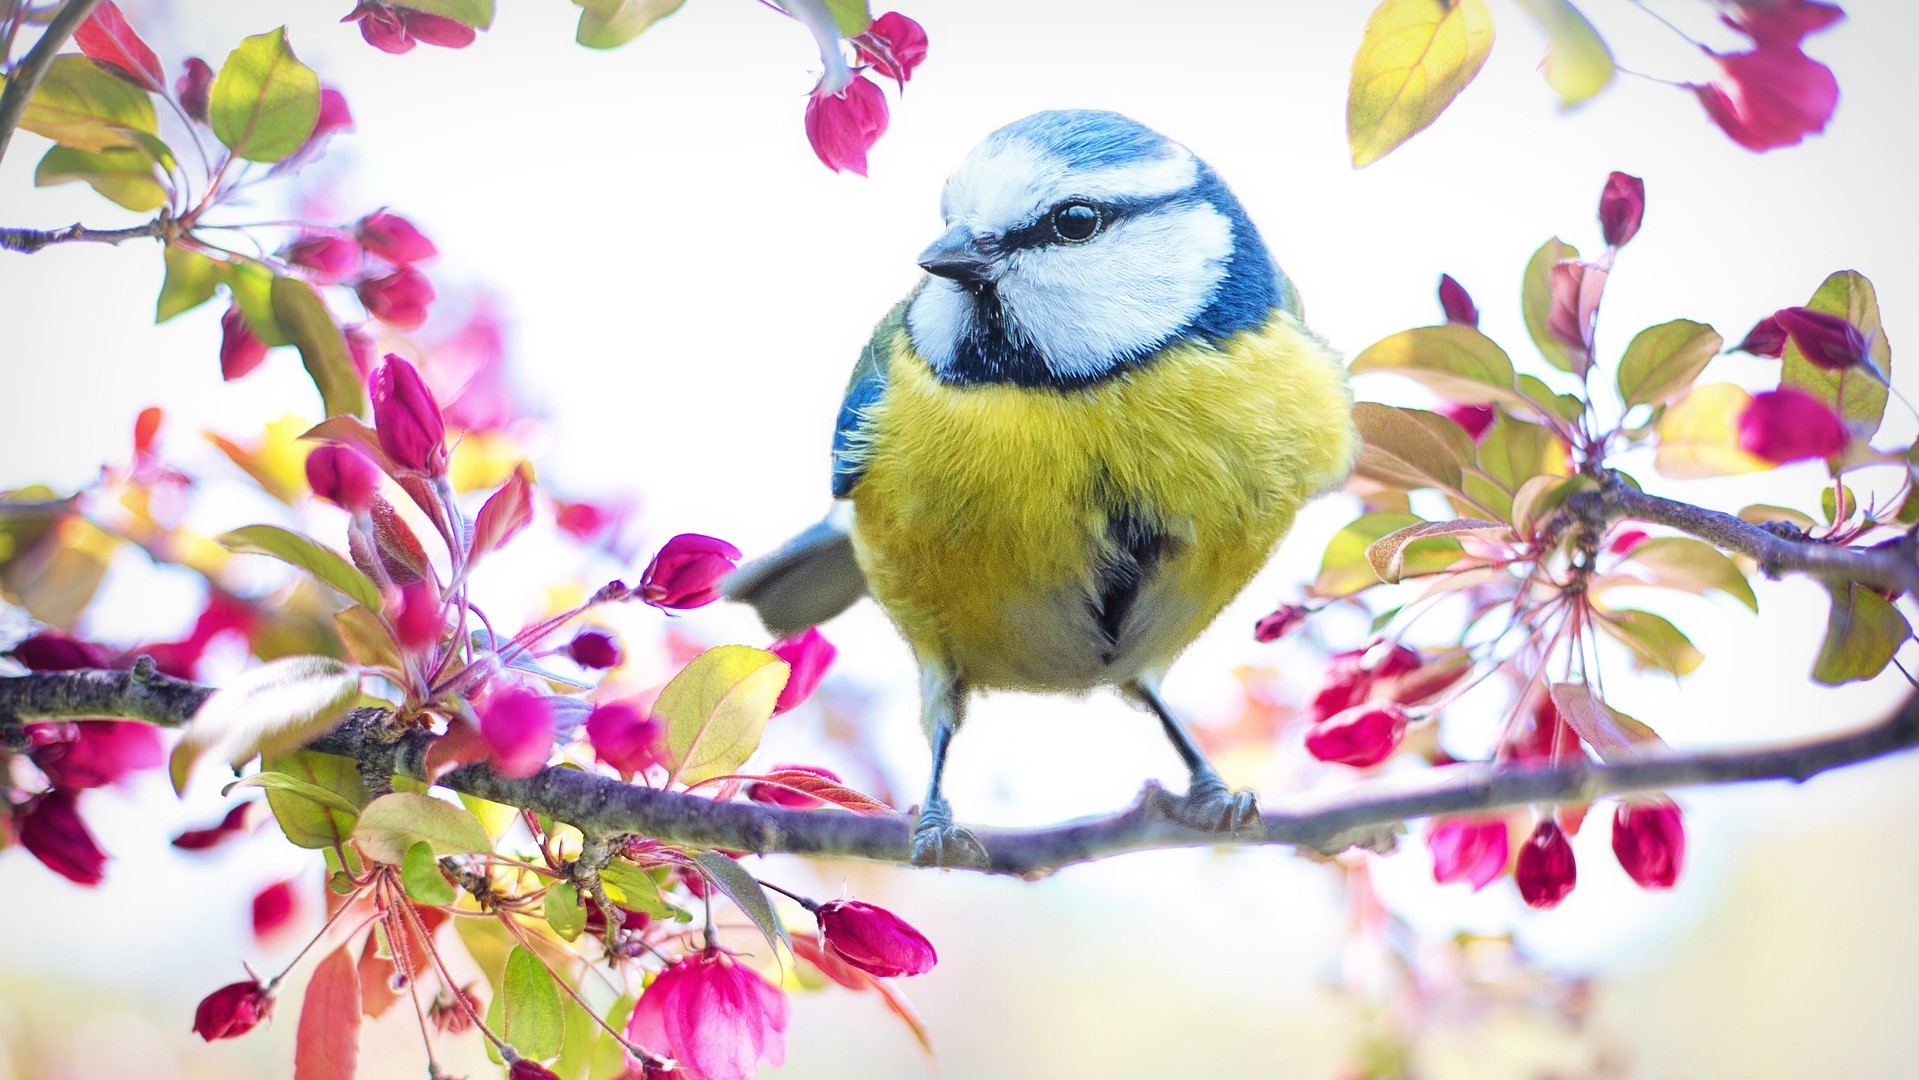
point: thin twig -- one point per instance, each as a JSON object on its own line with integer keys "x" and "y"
{"x": 25, "y": 78}
{"x": 28, "y": 241}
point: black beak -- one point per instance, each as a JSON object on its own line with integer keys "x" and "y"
{"x": 957, "y": 256}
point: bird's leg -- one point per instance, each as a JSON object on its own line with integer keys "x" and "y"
{"x": 1209, "y": 804}
{"x": 936, "y": 840}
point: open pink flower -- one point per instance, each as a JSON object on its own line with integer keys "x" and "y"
{"x": 1772, "y": 97}
{"x": 1649, "y": 838}
{"x": 1468, "y": 849}
{"x": 809, "y": 656}
{"x": 1546, "y": 872}
{"x": 843, "y": 126}
{"x": 874, "y": 939}
{"x": 1789, "y": 424}
{"x": 715, "y": 1017}
{"x": 517, "y": 725}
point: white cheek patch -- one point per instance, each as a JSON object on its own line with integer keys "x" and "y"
{"x": 939, "y": 318}
{"x": 1087, "y": 307}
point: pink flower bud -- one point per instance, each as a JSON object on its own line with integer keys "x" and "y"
{"x": 50, "y": 828}
{"x": 778, "y": 795}
{"x": 334, "y": 117}
{"x": 233, "y": 1010}
{"x": 809, "y": 656}
{"x": 55, "y": 650}
{"x": 894, "y": 45}
{"x": 517, "y": 725}
{"x": 1766, "y": 338}
{"x": 1826, "y": 341}
{"x": 687, "y": 571}
{"x": 383, "y": 27}
{"x": 1476, "y": 419}
{"x": 1283, "y": 620}
{"x": 1781, "y": 22}
{"x": 716, "y": 1018}
{"x": 1352, "y": 676}
{"x": 1625, "y": 540}
{"x": 624, "y": 737}
{"x": 1649, "y": 838}
{"x": 1468, "y": 849}
{"x": 343, "y": 476}
{"x": 1545, "y": 871}
{"x": 1361, "y": 736}
{"x": 407, "y": 418}
{"x": 240, "y": 351}
{"x": 273, "y": 908}
{"x": 360, "y": 350}
{"x": 194, "y": 87}
{"x": 1789, "y": 424}
{"x": 420, "y": 622}
{"x": 398, "y": 299}
{"x": 594, "y": 649}
{"x": 1772, "y": 97}
{"x": 1456, "y": 303}
{"x": 437, "y": 29}
{"x": 230, "y": 826}
{"x": 93, "y": 753}
{"x": 454, "y": 1015}
{"x": 328, "y": 257}
{"x": 1621, "y": 206}
{"x": 874, "y": 939}
{"x": 394, "y": 238}
{"x": 842, "y": 127}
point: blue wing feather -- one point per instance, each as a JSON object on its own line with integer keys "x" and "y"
{"x": 863, "y": 391}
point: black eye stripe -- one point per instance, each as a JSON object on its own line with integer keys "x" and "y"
{"x": 1038, "y": 232}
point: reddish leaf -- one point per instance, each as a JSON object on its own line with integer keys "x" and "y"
{"x": 106, "y": 37}
{"x": 506, "y": 512}
{"x": 815, "y": 786}
{"x": 328, "y": 1044}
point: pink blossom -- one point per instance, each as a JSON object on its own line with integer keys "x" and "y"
{"x": 328, "y": 257}
{"x": 1456, "y": 302}
{"x": 687, "y": 571}
{"x": 1649, "y": 838}
{"x": 843, "y": 126}
{"x": 240, "y": 350}
{"x": 1361, "y": 736}
{"x": 1824, "y": 339}
{"x": 1476, "y": 419}
{"x": 808, "y": 656}
{"x": 624, "y": 737}
{"x": 874, "y": 939}
{"x": 420, "y": 621}
{"x": 1468, "y": 849}
{"x": 407, "y": 419}
{"x": 715, "y": 1017}
{"x": 398, "y": 299}
{"x": 393, "y": 29}
{"x": 1621, "y": 207}
{"x": 194, "y": 87}
{"x": 50, "y": 828}
{"x": 233, "y": 1010}
{"x": 894, "y": 45}
{"x": 594, "y": 649}
{"x": 1545, "y": 871}
{"x": 517, "y": 725}
{"x": 1351, "y": 677}
{"x": 1766, "y": 338}
{"x": 233, "y": 824}
{"x": 273, "y": 908}
{"x": 1773, "y": 97}
{"x": 343, "y": 476}
{"x": 1789, "y": 424}
{"x": 1625, "y": 540}
{"x": 1281, "y": 621}
{"x": 93, "y": 753}
{"x": 394, "y": 238}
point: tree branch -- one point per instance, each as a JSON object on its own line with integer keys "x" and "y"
{"x": 25, "y": 77}
{"x": 28, "y": 241}
{"x": 1364, "y": 813}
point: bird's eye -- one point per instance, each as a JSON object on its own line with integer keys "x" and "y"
{"x": 1075, "y": 222}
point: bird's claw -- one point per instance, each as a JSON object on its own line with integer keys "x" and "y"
{"x": 939, "y": 842}
{"x": 1210, "y": 806}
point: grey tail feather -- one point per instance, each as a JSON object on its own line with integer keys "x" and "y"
{"x": 810, "y": 579}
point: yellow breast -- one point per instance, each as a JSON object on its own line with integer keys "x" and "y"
{"x": 984, "y": 510}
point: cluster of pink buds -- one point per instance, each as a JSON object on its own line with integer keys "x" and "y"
{"x": 1772, "y": 95}
{"x": 1359, "y": 714}
{"x": 394, "y": 28}
{"x": 846, "y": 113}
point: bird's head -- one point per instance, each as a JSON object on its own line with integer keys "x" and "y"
{"x": 1077, "y": 244}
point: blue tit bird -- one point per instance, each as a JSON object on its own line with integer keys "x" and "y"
{"x": 1077, "y": 438}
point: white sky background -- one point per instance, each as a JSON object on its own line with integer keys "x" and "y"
{"x": 686, "y": 288}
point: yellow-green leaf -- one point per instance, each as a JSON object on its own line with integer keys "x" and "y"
{"x": 605, "y": 24}
{"x": 121, "y": 174}
{"x": 1680, "y": 562}
{"x": 533, "y": 1023}
{"x": 1410, "y": 448}
{"x": 563, "y": 911}
{"x": 1345, "y": 568}
{"x": 631, "y": 887}
{"x": 275, "y": 707}
{"x": 475, "y": 13}
{"x": 82, "y": 104}
{"x": 716, "y": 708}
{"x": 393, "y": 823}
{"x": 1416, "y": 56}
{"x": 421, "y": 877}
{"x": 1456, "y": 361}
{"x": 1858, "y": 397}
{"x": 1513, "y": 451}
{"x": 745, "y": 891}
{"x": 1578, "y": 64}
{"x": 1536, "y": 300}
{"x": 1654, "y": 641}
{"x": 1699, "y": 435}
{"x": 310, "y": 327}
{"x": 264, "y": 101}
{"x": 308, "y": 554}
{"x": 190, "y": 281}
{"x": 308, "y": 818}
{"x": 1388, "y": 554}
{"x": 1862, "y": 634}
{"x": 1662, "y": 361}
{"x": 272, "y": 780}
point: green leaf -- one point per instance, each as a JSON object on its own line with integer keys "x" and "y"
{"x": 851, "y": 16}
{"x": 190, "y": 281}
{"x": 322, "y": 562}
{"x": 1653, "y": 641}
{"x": 264, "y": 101}
{"x": 121, "y": 174}
{"x": 1614, "y": 735}
{"x": 306, "y": 789}
{"x": 631, "y": 887}
{"x": 1862, "y": 634}
{"x": 1857, "y": 396}
{"x": 744, "y": 890}
{"x": 1548, "y": 401}
{"x": 1699, "y": 435}
{"x": 1680, "y": 562}
{"x": 475, "y": 13}
{"x": 420, "y": 875}
{"x": 609, "y": 1057}
{"x": 277, "y": 706}
{"x": 252, "y": 286}
{"x": 582, "y": 1038}
{"x": 1408, "y": 449}
{"x": 1345, "y": 568}
{"x": 1513, "y": 451}
{"x": 1761, "y": 513}
{"x": 532, "y": 1019}
{"x": 310, "y": 327}
{"x": 393, "y": 823}
{"x": 562, "y": 909}
{"x": 716, "y": 708}
{"x": 1388, "y": 554}
{"x": 1456, "y": 362}
{"x": 1662, "y": 361}
{"x": 605, "y": 24}
{"x": 1540, "y": 496}
{"x": 1578, "y": 64}
{"x": 308, "y": 819}
{"x": 1416, "y": 56}
{"x": 82, "y": 104}
{"x": 1536, "y": 300}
